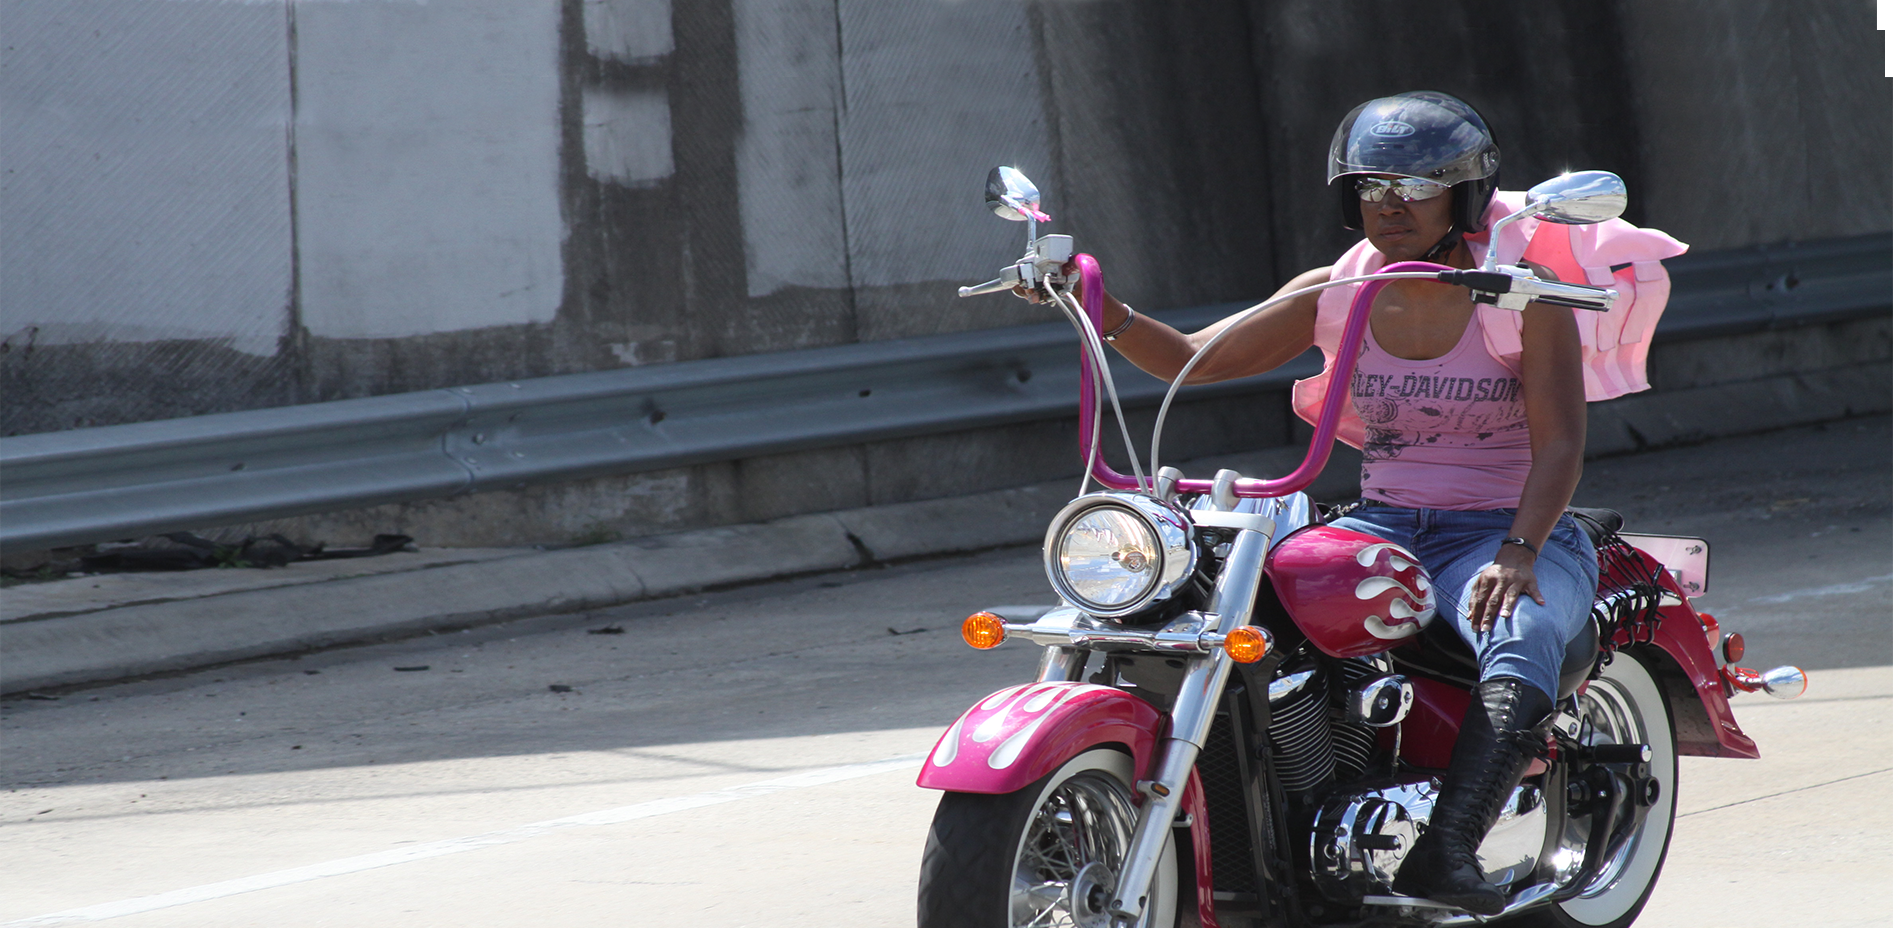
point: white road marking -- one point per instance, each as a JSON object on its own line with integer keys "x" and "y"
{"x": 346, "y": 865}
{"x": 1838, "y": 589}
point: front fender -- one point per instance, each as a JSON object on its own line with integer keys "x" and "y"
{"x": 1022, "y": 733}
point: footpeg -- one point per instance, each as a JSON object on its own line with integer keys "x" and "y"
{"x": 1519, "y": 901}
{"x": 1620, "y": 754}
{"x": 1409, "y": 901}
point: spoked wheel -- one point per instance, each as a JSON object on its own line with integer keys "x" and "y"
{"x": 1046, "y": 856}
{"x": 1623, "y": 706}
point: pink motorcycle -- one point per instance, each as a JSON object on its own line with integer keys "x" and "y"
{"x": 1259, "y": 738}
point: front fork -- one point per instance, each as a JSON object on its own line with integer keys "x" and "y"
{"x": 1195, "y": 708}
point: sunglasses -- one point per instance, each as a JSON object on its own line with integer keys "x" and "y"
{"x": 1408, "y": 189}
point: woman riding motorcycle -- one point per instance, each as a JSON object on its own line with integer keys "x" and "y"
{"x": 1471, "y": 454}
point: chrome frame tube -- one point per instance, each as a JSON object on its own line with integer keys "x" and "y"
{"x": 1163, "y": 794}
{"x": 1066, "y": 664}
{"x": 1195, "y": 708}
{"x": 1241, "y": 578}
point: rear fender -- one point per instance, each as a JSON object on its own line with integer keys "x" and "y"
{"x": 1022, "y": 733}
{"x": 1699, "y": 706}
{"x": 1685, "y": 667}
{"x": 1679, "y": 648}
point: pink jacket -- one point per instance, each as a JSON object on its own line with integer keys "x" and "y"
{"x": 1616, "y": 344}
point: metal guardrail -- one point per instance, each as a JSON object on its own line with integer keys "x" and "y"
{"x": 1777, "y": 286}
{"x": 97, "y": 484}
{"x": 87, "y": 485}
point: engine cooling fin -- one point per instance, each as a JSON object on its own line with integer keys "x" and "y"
{"x": 1354, "y": 743}
{"x": 1301, "y": 736}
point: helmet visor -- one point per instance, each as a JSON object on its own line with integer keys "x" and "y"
{"x": 1408, "y": 189}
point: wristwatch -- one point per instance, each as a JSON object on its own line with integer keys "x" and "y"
{"x": 1519, "y": 540}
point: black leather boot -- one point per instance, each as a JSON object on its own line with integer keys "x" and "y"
{"x": 1496, "y": 741}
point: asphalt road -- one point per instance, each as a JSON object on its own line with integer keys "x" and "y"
{"x": 747, "y": 757}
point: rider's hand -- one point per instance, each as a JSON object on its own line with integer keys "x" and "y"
{"x": 1496, "y": 590}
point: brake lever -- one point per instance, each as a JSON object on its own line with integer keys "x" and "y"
{"x": 1041, "y": 268}
{"x": 1007, "y": 279}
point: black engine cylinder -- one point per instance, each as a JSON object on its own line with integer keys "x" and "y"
{"x": 1301, "y": 736}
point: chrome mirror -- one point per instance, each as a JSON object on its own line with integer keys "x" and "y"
{"x": 1785, "y": 682}
{"x": 1013, "y": 195}
{"x": 1575, "y": 199}
{"x": 1578, "y": 199}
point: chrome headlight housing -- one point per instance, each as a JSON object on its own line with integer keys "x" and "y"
{"x": 1112, "y": 554}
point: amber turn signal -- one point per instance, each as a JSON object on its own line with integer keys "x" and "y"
{"x": 1245, "y": 644}
{"x": 983, "y": 630}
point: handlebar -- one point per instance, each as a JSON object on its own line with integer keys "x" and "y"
{"x": 1319, "y": 448}
{"x": 1507, "y": 287}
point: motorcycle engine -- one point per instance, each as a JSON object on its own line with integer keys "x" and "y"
{"x": 1359, "y": 839}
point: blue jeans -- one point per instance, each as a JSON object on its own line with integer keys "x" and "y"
{"x": 1454, "y": 546}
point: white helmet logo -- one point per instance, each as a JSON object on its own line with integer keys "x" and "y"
{"x": 1392, "y": 130}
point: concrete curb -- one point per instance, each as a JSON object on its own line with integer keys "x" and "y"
{"x": 1644, "y": 421}
{"x": 141, "y": 638}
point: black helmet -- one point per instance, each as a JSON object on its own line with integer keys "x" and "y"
{"x": 1424, "y": 134}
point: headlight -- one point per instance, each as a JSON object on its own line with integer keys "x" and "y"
{"x": 1109, "y": 557}
{"x": 1111, "y": 554}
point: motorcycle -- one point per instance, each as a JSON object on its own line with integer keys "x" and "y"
{"x": 1261, "y": 738}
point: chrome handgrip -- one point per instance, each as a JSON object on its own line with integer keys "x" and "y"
{"x": 1556, "y": 293}
{"x": 1513, "y": 287}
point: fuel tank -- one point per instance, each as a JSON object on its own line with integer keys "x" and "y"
{"x": 1352, "y": 594}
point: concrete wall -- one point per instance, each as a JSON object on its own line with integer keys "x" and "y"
{"x": 1735, "y": 122}
{"x": 196, "y": 193}
{"x": 147, "y": 255}
{"x": 429, "y": 195}
{"x": 210, "y": 206}
{"x": 1548, "y": 77}
{"x": 426, "y": 167}
{"x": 1756, "y": 118}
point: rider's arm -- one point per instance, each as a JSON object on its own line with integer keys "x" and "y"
{"x": 1551, "y": 377}
{"x": 1264, "y": 341}
{"x": 1552, "y": 380}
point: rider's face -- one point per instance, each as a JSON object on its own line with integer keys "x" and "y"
{"x": 1404, "y": 231}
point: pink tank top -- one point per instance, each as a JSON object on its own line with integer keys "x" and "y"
{"x": 1443, "y": 433}
{"x": 1615, "y": 254}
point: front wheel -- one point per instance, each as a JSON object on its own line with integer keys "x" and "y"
{"x": 1047, "y": 855}
{"x": 1623, "y": 706}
